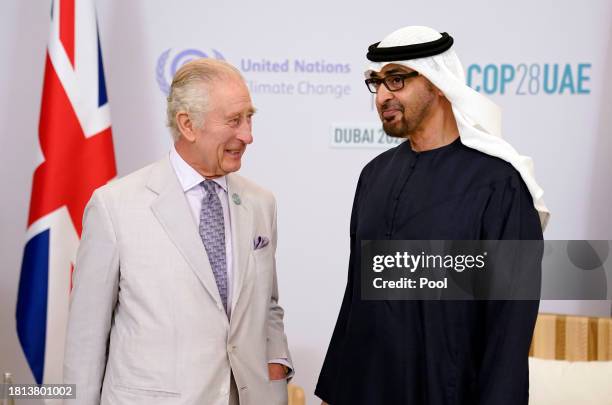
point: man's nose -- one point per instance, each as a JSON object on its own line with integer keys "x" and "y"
{"x": 383, "y": 95}
{"x": 245, "y": 133}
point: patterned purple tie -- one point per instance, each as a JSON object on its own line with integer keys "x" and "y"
{"x": 212, "y": 232}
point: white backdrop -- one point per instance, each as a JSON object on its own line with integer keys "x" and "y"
{"x": 319, "y": 51}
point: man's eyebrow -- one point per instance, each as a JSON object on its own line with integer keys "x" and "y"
{"x": 396, "y": 71}
{"x": 250, "y": 111}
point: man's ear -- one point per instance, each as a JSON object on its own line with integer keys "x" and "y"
{"x": 438, "y": 92}
{"x": 185, "y": 126}
{"x": 434, "y": 88}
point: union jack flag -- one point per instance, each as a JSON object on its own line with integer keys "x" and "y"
{"x": 76, "y": 157}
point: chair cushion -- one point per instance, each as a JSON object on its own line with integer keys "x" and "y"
{"x": 561, "y": 382}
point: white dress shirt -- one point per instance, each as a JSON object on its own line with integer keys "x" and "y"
{"x": 190, "y": 181}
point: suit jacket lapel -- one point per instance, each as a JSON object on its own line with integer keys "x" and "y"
{"x": 242, "y": 234}
{"x": 172, "y": 211}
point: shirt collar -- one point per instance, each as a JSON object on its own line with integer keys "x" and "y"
{"x": 187, "y": 175}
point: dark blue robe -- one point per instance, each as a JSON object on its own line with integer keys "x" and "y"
{"x": 433, "y": 352}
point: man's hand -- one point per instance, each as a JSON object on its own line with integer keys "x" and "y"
{"x": 277, "y": 371}
{"x": 324, "y": 403}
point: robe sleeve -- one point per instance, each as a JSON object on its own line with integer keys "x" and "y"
{"x": 503, "y": 378}
{"x": 328, "y": 377}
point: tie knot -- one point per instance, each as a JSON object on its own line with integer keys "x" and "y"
{"x": 210, "y": 187}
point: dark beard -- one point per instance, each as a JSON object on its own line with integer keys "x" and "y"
{"x": 396, "y": 131}
{"x": 405, "y": 126}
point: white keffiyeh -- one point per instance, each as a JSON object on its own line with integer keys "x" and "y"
{"x": 478, "y": 118}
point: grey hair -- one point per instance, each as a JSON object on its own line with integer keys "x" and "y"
{"x": 190, "y": 88}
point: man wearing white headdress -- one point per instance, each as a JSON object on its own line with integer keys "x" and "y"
{"x": 454, "y": 178}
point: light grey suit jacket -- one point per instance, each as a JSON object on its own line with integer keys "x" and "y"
{"x": 146, "y": 322}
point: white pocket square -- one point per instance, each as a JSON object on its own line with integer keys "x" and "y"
{"x": 260, "y": 242}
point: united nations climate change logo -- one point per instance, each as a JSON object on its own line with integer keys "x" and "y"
{"x": 165, "y": 73}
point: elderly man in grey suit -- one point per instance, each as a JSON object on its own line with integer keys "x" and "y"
{"x": 175, "y": 291}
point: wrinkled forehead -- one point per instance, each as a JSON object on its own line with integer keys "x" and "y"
{"x": 389, "y": 69}
{"x": 386, "y": 68}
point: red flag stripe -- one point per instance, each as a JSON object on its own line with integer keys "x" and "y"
{"x": 66, "y": 28}
{"x": 74, "y": 165}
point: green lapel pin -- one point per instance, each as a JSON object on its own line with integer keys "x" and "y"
{"x": 236, "y": 199}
